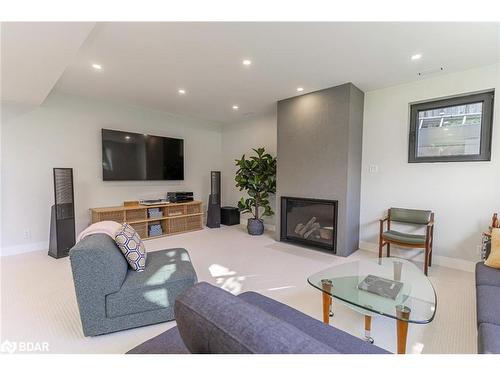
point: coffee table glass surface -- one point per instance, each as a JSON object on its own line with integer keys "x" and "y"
{"x": 416, "y": 294}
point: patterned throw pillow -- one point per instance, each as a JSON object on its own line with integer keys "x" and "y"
{"x": 132, "y": 247}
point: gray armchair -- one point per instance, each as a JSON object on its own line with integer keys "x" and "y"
{"x": 112, "y": 297}
{"x": 408, "y": 240}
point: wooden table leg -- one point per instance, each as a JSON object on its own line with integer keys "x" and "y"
{"x": 327, "y": 299}
{"x": 368, "y": 329}
{"x": 403, "y": 314}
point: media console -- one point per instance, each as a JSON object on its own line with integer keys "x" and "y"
{"x": 175, "y": 217}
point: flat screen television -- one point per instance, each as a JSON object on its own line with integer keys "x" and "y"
{"x": 131, "y": 156}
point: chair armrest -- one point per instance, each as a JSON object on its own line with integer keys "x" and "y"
{"x": 381, "y": 221}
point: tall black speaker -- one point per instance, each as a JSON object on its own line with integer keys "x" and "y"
{"x": 62, "y": 219}
{"x": 213, "y": 214}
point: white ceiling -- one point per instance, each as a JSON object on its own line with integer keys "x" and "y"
{"x": 34, "y": 56}
{"x": 146, "y": 63}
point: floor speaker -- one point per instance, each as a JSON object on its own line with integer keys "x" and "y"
{"x": 62, "y": 218}
{"x": 213, "y": 214}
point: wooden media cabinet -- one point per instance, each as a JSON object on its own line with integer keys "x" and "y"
{"x": 176, "y": 217}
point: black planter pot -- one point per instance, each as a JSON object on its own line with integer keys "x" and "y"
{"x": 255, "y": 227}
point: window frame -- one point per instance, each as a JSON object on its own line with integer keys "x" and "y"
{"x": 484, "y": 97}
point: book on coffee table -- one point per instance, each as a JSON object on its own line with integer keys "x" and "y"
{"x": 381, "y": 286}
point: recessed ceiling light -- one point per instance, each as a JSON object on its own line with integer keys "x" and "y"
{"x": 235, "y": 107}
{"x": 127, "y": 137}
{"x": 300, "y": 89}
{"x": 247, "y": 62}
{"x": 97, "y": 66}
{"x": 416, "y": 56}
{"x": 181, "y": 91}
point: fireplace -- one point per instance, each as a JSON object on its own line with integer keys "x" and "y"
{"x": 311, "y": 222}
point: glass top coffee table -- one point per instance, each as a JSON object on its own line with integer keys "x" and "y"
{"x": 391, "y": 287}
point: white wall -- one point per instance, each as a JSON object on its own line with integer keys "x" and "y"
{"x": 65, "y": 132}
{"x": 239, "y": 139}
{"x": 462, "y": 195}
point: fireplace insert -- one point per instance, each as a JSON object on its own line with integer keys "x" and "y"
{"x": 311, "y": 222}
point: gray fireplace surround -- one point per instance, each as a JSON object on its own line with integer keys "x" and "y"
{"x": 319, "y": 155}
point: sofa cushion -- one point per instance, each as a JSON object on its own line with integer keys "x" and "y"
{"x": 488, "y": 340}
{"x": 211, "y": 320}
{"x": 488, "y": 304}
{"x": 335, "y": 338}
{"x": 132, "y": 247}
{"x": 486, "y": 275}
{"x": 168, "y": 273}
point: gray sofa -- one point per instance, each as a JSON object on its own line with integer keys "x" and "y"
{"x": 488, "y": 309}
{"x": 112, "y": 297}
{"x": 211, "y": 320}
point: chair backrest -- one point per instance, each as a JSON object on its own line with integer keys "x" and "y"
{"x": 410, "y": 216}
{"x": 99, "y": 268}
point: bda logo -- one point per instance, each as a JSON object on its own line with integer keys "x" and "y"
{"x": 8, "y": 347}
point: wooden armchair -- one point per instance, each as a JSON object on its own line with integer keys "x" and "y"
{"x": 407, "y": 240}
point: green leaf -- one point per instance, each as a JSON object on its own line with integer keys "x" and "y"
{"x": 257, "y": 176}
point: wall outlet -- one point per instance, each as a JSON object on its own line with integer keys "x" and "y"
{"x": 27, "y": 233}
{"x": 373, "y": 168}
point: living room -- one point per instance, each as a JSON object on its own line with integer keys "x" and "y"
{"x": 250, "y": 187}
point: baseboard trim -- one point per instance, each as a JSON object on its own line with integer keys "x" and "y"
{"x": 269, "y": 227}
{"x": 458, "y": 264}
{"x": 24, "y": 248}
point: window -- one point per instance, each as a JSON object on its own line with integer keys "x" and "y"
{"x": 453, "y": 129}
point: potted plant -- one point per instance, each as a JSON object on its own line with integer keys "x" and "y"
{"x": 256, "y": 175}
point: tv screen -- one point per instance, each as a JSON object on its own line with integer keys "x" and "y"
{"x": 131, "y": 156}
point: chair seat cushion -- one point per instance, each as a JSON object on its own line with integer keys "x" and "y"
{"x": 486, "y": 275}
{"x": 167, "y": 274}
{"x": 413, "y": 239}
{"x": 488, "y": 304}
{"x": 488, "y": 340}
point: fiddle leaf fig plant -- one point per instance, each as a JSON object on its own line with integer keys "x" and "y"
{"x": 257, "y": 176}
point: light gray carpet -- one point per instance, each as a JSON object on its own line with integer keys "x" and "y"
{"x": 38, "y": 299}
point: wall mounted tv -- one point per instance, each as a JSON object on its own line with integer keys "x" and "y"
{"x": 131, "y": 156}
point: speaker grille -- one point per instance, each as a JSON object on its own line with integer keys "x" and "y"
{"x": 215, "y": 187}
{"x": 63, "y": 190}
